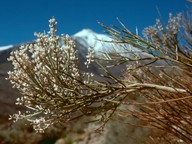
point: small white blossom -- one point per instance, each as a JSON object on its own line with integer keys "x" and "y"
{"x": 90, "y": 56}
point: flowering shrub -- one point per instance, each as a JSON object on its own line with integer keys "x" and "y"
{"x": 47, "y": 75}
{"x": 155, "y": 88}
{"x": 170, "y": 66}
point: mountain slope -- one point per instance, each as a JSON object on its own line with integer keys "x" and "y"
{"x": 5, "y": 47}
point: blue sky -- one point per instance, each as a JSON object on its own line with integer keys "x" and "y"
{"x": 19, "y": 19}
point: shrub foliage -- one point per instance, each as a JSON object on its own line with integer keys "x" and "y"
{"x": 155, "y": 86}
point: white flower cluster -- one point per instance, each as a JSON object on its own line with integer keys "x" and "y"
{"x": 40, "y": 124}
{"x": 174, "y": 23}
{"x": 90, "y": 57}
{"x": 160, "y": 35}
{"x": 47, "y": 75}
{"x": 16, "y": 117}
{"x": 149, "y": 32}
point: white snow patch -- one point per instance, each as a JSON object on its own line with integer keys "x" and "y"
{"x": 92, "y": 39}
{"x": 5, "y": 47}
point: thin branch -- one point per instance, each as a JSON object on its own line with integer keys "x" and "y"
{"x": 159, "y": 87}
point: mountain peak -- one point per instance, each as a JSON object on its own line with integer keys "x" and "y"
{"x": 85, "y": 32}
{"x": 89, "y": 34}
{"x": 89, "y": 38}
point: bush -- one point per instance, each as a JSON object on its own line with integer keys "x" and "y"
{"x": 157, "y": 81}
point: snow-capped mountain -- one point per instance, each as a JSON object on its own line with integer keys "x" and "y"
{"x": 87, "y": 37}
{"x": 102, "y": 44}
{"x": 99, "y": 42}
